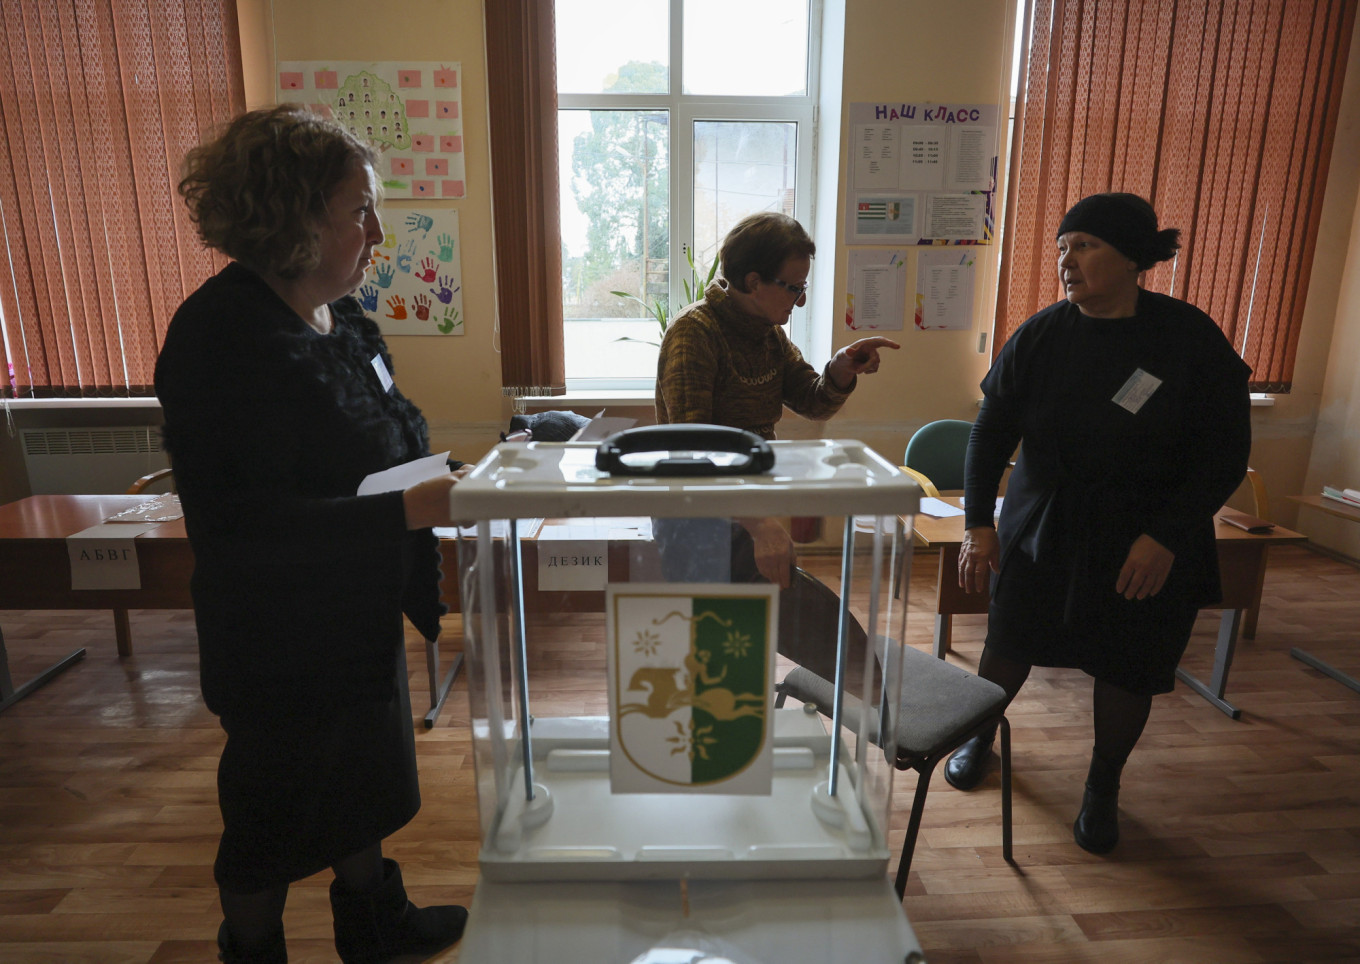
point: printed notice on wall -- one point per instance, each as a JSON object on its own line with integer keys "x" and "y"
{"x": 876, "y": 297}
{"x": 944, "y": 290}
{"x": 922, "y": 173}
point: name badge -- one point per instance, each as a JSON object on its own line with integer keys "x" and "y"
{"x": 1137, "y": 390}
{"x": 383, "y": 375}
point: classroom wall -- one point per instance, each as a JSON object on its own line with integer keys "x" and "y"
{"x": 1311, "y": 436}
{"x": 1335, "y": 458}
{"x": 456, "y": 381}
{"x": 907, "y": 49}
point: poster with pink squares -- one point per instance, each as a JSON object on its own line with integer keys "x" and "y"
{"x": 410, "y": 112}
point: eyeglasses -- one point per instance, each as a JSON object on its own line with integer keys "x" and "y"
{"x": 796, "y": 290}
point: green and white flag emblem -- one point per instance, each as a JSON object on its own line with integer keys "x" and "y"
{"x": 690, "y": 677}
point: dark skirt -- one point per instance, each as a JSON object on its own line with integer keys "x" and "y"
{"x": 312, "y": 784}
{"x": 1133, "y": 644}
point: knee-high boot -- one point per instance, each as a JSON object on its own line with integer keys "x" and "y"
{"x": 381, "y": 924}
{"x": 1097, "y": 827}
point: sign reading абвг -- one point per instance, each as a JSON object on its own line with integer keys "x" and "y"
{"x": 104, "y": 556}
{"x": 690, "y": 675}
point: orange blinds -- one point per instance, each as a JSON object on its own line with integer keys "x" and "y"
{"x": 99, "y": 101}
{"x": 1221, "y": 113}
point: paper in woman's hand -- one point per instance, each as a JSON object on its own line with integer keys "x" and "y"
{"x": 399, "y": 478}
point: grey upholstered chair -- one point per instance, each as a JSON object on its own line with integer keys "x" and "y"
{"x": 942, "y": 706}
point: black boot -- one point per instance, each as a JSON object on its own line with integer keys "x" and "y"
{"x": 272, "y": 950}
{"x": 966, "y": 768}
{"x": 1097, "y": 828}
{"x": 381, "y": 924}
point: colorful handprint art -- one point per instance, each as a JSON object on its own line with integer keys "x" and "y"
{"x": 417, "y": 288}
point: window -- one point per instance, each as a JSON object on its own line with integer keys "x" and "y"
{"x": 99, "y": 102}
{"x": 676, "y": 118}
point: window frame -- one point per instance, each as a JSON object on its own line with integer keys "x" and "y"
{"x": 684, "y": 111}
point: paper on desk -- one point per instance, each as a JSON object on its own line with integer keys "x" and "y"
{"x": 104, "y": 556}
{"x": 610, "y": 529}
{"x": 939, "y": 508}
{"x": 401, "y": 477}
{"x": 162, "y": 508}
{"x": 500, "y": 529}
{"x": 600, "y": 428}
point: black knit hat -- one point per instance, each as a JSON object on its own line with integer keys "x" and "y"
{"x": 1125, "y": 221}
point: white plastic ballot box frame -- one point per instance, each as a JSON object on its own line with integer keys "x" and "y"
{"x": 545, "y": 803}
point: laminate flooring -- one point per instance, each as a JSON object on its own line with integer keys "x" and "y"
{"x": 1241, "y": 839}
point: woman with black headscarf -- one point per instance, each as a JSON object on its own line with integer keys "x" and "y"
{"x": 1132, "y": 412}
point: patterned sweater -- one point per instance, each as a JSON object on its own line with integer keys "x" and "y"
{"x": 723, "y": 366}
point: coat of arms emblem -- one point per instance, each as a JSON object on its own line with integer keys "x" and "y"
{"x": 690, "y": 678}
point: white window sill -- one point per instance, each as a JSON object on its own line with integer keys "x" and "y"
{"x": 603, "y": 398}
{"x": 36, "y": 404}
{"x": 1262, "y": 400}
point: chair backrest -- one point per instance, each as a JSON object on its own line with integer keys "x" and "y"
{"x": 937, "y": 450}
{"x": 1260, "y": 500}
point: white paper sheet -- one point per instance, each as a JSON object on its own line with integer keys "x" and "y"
{"x": 401, "y": 477}
{"x": 104, "y": 556}
{"x": 932, "y": 506}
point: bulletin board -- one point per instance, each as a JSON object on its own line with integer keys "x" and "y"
{"x": 411, "y": 112}
{"x": 922, "y": 173}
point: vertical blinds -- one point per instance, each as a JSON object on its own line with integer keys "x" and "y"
{"x": 1221, "y": 113}
{"x": 99, "y": 102}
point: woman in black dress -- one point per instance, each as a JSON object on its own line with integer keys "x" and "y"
{"x": 278, "y": 401}
{"x": 1132, "y": 412}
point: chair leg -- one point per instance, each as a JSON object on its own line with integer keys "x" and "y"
{"x": 918, "y": 806}
{"x": 1006, "y": 850}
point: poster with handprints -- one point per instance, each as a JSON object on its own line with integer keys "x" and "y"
{"x": 415, "y": 286}
{"x": 411, "y": 112}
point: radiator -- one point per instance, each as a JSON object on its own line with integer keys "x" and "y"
{"x": 90, "y": 460}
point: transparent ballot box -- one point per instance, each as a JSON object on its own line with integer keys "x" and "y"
{"x": 644, "y": 592}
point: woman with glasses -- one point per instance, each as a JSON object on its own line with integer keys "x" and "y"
{"x": 726, "y": 360}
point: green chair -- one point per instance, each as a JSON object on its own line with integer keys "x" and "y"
{"x": 937, "y": 450}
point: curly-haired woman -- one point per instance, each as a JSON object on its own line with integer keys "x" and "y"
{"x": 278, "y": 400}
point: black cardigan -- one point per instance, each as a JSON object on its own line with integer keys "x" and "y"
{"x": 299, "y": 584}
{"x": 1091, "y": 476}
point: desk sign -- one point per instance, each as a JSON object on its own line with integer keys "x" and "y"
{"x": 104, "y": 556}
{"x": 572, "y": 565}
{"x": 691, "y": 670}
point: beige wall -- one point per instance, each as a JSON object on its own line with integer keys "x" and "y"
{"x": 456, "y": 381}
{"x": 1312, "y": 435}
{"x": 907, "y": 49}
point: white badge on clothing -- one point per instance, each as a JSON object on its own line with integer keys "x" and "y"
{"x": 383, "y": 375}
{"x": 1137, "y": 390}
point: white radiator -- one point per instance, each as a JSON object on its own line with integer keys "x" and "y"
{"x": 90, "y": 460}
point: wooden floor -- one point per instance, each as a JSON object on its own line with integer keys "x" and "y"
{"x": 1241, "y": 840}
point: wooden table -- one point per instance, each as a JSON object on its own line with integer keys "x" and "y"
{"x": 1342, "y": 511}
{"x": 1241, "y": 561}
{"x": 35, "y": 573}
